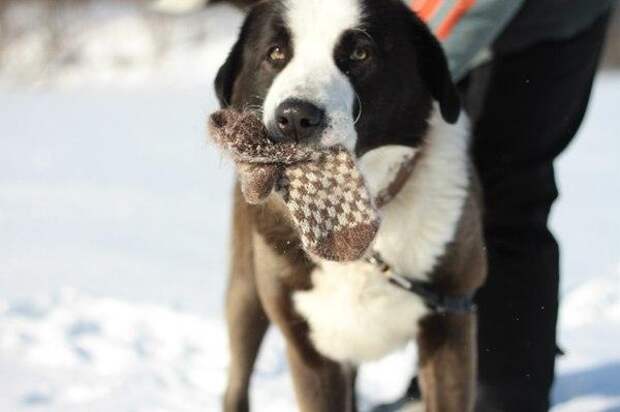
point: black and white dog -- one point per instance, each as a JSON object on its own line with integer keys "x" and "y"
{"x": 368, "y": 75}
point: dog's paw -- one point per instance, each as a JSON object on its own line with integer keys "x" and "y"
{"x": 401, "y": 405}
{"x": 413, "y": 406}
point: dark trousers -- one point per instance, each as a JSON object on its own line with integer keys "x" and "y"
{"x": 527, "y": 107}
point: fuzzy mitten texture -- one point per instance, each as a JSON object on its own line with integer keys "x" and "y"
{"x": 322, "y": 188}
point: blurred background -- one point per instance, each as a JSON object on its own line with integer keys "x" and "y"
{"x": 114, "y": 212}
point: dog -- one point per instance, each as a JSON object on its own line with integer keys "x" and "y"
{"x": 367, "y": 75}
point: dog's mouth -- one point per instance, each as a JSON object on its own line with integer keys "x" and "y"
{"x": 330, "y": 136}
{"x": 303, "y": 123}
{"x": 329, "y": 139}
{"x": 276, "y": 136}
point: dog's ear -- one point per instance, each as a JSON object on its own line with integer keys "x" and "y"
{"x": 434, "y": 70}
{"x": 227, "y": 74}
{"x": 230, "y": 70}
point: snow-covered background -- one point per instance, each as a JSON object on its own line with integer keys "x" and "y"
{"x": 113, "y": 229}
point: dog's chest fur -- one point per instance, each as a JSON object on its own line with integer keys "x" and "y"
{"x": 353, "y": 312}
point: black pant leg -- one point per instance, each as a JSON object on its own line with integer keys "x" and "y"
{"x": 534, "y": 103}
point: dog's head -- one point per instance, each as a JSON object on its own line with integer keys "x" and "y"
{"x": 360, "y": 73}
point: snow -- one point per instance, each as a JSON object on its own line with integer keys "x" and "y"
{"x": 113, "y": 225}
{"x": 113, "y": 43}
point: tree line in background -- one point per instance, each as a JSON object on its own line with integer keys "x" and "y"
{"x": 52, "y": 16}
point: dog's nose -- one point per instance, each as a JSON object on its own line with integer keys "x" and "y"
{"x": 298, "y": 120}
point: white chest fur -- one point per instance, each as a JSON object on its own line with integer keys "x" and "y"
{"x": 354, "y": 313}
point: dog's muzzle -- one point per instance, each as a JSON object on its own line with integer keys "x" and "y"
{"x": 297, "y": 121}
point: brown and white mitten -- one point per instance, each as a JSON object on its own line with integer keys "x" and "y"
{"x": 330, "y": 205}
{"x": 326, "y": 195}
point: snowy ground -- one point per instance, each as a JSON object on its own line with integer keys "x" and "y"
{"x": 113, "y": 225}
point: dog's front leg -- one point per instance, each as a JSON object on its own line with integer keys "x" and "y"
{"x": 247, "y": 321}
{"x": 447, "y": 352}
{"x": 321, "y": 385}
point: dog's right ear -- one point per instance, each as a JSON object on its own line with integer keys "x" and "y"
{"x": 227, "y": 74}
{"x": 435, "y": 71}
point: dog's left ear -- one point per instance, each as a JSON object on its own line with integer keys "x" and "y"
{"x": 227, "y": 74}
{"x": 434, "y": 70}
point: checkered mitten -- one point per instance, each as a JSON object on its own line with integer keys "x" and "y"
{"x": 322, "y": 188}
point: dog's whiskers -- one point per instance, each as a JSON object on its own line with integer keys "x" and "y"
{"x": 359, "y": 112}
{"x": 256, "y": 106}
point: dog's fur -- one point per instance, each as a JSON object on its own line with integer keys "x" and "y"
{"x": 335, "y": 316}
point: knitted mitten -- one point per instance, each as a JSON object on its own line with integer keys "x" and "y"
{"x": 328, "y": 200}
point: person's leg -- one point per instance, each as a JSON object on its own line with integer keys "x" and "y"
{"x": 527, "y": 108}
{"x": 534, "y": 103}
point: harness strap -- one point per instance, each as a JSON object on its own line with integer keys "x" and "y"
{"x": 436, "y": 301}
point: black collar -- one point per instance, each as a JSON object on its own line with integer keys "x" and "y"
{"x": 436, "y": 301}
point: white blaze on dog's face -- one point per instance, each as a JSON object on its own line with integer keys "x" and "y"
{"x": 312, "y": 75}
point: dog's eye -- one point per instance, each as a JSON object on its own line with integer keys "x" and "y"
{"x": 276, "y": 55}
{"x": 359, "y": 54}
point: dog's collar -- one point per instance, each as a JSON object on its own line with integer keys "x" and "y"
{"x": 398, "y": 182}
{"x": 436, "y": 301}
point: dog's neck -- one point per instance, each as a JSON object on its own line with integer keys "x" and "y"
{"x": 387, "y": 169}
{"x": 429, "y": 205}
{"x": 399, "y": 178}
